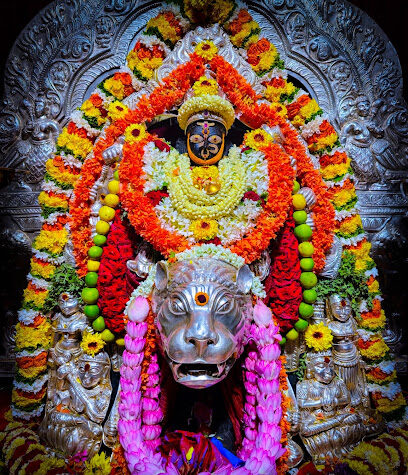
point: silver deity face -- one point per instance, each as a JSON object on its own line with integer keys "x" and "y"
{"x": 323, "y": 369}
{"x": 340, "y": 307}
{"x": 92, "y": 370}
{"x": 68, "y": 304}
{"x": 201, "y": 308}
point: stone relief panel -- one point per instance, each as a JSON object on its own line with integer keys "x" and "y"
{"x": 334, "y": 49}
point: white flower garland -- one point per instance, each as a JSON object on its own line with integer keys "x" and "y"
{"x": 48, "y": 258}
{"x": 389, "y": 391}
{"x": 38, "y": 282}
{"x": 18, "y": 414}
{"x": 36, "y": 386}
{"x": 27, "y": 316}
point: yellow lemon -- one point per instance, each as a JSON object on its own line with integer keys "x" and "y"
{"x": 106, "y": 213}
{"x": 298, "y": 201}
{"x": 111, "y": 200}
{"x": 120, "y": 342}
{"x": 93, "y": 266}
{"x": 113, "y": 187}
{"x": 102, "y": 227}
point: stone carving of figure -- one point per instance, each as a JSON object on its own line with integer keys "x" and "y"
{"x": 328, "y": 426}
{"x": 346, "y": 358}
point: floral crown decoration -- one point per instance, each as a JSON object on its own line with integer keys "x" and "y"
{"x": 206, "y": 100}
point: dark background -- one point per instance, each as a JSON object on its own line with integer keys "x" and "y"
{"x": 391, "y": 16}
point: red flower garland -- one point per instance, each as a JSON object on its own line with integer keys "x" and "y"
{"x": 113, "y": 291}
{"x": 282, "y": 286}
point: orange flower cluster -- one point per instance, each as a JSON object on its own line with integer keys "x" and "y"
{"x": 164, "y": 97}
{"x": 150, "y": 348}
{"x": 281, "y": 463}
{"x": 244, "y": 98}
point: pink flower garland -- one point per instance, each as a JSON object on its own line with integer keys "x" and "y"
{"x": 140, "y": 414}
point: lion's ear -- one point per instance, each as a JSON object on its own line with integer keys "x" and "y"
{"x": 162, "y": 275}
{"x": 245, "y": 278}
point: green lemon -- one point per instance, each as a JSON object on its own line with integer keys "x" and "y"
{"x": 99, "y": 324}
{"x": 90, "y": 295}
{"x": 305, "y": 310}
{"x": 310, "y": 295}
{"x": 300, "y": 216}
{"x": 95, "y": 252}
{"x": 308, "y": 279}
{"x": 113, "y": 187}
{"x": 120, "y": 342}
{"x": 91, "y": 279}
{"x": 107, "y": 336}
{"x": 99, "y": 240}
{"x": 91, "y": 311}
{"x": 292, "y": 334}
{"x": 116, "y": 175}
{"x": 283, "y": 341}
{"x": 303, "y": 232}
{"x": 296, "y": 187}
{"x": 298, "y": 201}
{"x": 306, "y": 249}
{"x": 307, "y": 263}
{"x": 102, "y": 227}
{"x": 301, "y": 325}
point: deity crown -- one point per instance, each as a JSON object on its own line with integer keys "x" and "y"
{"x": 206, "y": 103}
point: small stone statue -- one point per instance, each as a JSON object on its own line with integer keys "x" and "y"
{"x": 73, "y": 418}
{"x": 346, "y": 357}
{"x": 328, "y": 426}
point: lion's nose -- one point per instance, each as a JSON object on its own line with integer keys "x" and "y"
{"x": 201, "y": 345}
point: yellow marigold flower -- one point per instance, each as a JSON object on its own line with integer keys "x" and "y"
{"x": 92, "y": 343}
{"x": 309, "y": 109}
{"x": 52, "y": 241}
{"x": 343, "y": 197}
{"x": 204, "y": 229}
{"x": 134, "y": 133}
{"x": 257, "y": 139}
{"x": 44, "y": 199}
{"x": 318, "y": 337}
{"x": 64, "y": 177}
{"x": 117, "y": 110}
{"x": 98, "y": 465}
{"x": 350, "y": 226}
{"x": 239, "y": 38}
{"x": 386, "y": 405}
{"x": 266, "y": 60}
{"x": 374, "y": 287}
{"x": 324, "y": 142}
{"x": 377, "y": 350}
{"x": 89, "y": 109}
{"x": 44, "y": 270}
{"x": 167, "y": 32}
{"x": 22, "y": 401}
{"x": 273, "y": 94}
{"x": 32, "y": 372}
{"x": 207, "y": 50}
{"x": 205, "y": 172}
{"x": 78, "y": 145}
{"x": 33, "y": 336}
{"x": 205, "y": 86}
{"x": 37, "y": 298}
{"x": 335, "y": 170}
{"x": 115, "y": 87}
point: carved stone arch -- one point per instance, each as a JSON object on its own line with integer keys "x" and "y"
{"x": 331, "y": 47}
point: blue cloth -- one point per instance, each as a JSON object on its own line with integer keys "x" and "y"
{"x": 233, "y": 459}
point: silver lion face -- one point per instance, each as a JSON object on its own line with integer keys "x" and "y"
{"x": 201, "y": 313}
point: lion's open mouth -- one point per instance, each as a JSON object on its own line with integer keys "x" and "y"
{"x": 200, "y": 374}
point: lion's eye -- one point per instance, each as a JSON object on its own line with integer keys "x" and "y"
{"x": 197, "y": 138}
{"x": 177, "y": 306}
{"x": 225, "y": 306}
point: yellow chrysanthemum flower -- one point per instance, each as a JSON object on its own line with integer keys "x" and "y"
{"x": 45, "y": 199}
{"x": 257, "y": 139}
{"x": 204, "y": 229}
{"x": 115, "y": 87}
{"x": 374, "y": 287}
{"x": 33, "y": 336}
{"x": 117, "y": 110}
{"x": 52, "y": 241}
{"x": 204, "y": 173}
{"x": 92, "y": 343}
{"x": 205, "y": 86}
{"x": 90, "y": 110}
{"x": 98, "y": 465}
{"x": 207, "y": 50}
{"x": 44, "y": 270}
{"x": 318, "y": 337}
{"x": 64, "y": 177}
{"x": 134, "y": 133}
